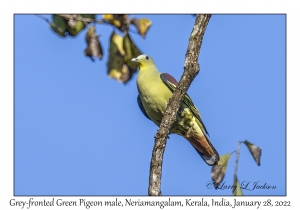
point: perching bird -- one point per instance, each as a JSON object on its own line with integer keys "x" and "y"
{"x": 155, "y": 89}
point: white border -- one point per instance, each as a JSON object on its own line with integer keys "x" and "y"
{"x": 6, "y": 77}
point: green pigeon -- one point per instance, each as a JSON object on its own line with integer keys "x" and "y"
{"x": 155, "y": 90}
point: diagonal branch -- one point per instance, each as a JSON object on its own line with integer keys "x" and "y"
{"x": 191, "y": 69}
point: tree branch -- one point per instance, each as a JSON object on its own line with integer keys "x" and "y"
{"x": 78, "y": 17}
{"x": 191, "y": 69}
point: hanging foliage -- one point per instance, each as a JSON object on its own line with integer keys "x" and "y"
{"x": 121, "y": 48}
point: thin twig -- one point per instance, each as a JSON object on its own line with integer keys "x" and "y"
{"x": 82, "y": 19}
{"x": 88, "y": 20}
{"x": 50, "y": 23}
{"x": 191, "y": 69}
{"x": 237, "y": 161}
{"x": 44, "y": 18}
{"x": 133, "y": 31}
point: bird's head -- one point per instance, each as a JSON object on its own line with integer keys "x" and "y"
{"x": 143, "y": 61}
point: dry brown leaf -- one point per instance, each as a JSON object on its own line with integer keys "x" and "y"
{"x": 142, "y": 25}
{"x": 255, "y": 151}
{"x": 94, "y": 48}
{"x": 218, "y": 171}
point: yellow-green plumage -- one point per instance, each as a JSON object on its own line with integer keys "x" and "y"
{"x": 155, "y": 90}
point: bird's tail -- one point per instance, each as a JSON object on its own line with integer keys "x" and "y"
{"x": 204, "y": 147}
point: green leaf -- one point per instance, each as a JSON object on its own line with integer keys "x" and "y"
{"x": 238, "y": 190}
{"x": 115, "y": 64}
{"x": 127, "y": 48}
{"x": 117, "y": 67}
{"x": 75, "y": 26}
{"x": 70, "y": 23}
{"x": 218, "y": 171}
{"x": 131, "y": 51}
{"x": 59, "y": 25}
{"x": 255, "y": 151}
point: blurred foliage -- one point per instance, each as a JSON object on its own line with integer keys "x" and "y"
{"x": 131, "y": 51}
{"x": 115, "y": 64}
{"x": 218, "y": 171}
{"x": 142, "y": 25}
{"x": 121, "y": 48}
{"x": 59, "y": 25}
{"x": 237, "y": 191}
{"x": 94, "y": 48}
{"x": 255, "y": 151}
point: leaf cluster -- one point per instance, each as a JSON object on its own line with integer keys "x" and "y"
{"x": 218, "y": 171}
{"x": 121, "y": 48}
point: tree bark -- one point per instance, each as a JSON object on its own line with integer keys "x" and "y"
{"x": 191, "y": 69}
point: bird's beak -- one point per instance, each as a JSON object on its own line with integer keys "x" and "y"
{"x": 135, "y": 60}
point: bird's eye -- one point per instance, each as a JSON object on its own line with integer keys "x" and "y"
{"x": 147, "y": 57}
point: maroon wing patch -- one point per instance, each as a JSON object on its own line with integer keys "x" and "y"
{"x": 167, "y": 77}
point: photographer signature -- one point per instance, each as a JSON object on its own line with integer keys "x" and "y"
{"x": 245, "y": 185}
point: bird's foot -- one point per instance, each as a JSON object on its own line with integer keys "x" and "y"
{"x": 168, "y": 101}
{"x": 179, "y": 112}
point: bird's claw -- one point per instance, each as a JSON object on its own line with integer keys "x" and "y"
{"x": 168, "y": 101}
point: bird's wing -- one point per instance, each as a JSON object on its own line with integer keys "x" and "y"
{"x": 142, "y": 107}
{"x": 202, "y": 145}
{"x": 171, "y": 84}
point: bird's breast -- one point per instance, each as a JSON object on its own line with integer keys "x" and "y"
{"x": 154, "y": 95}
